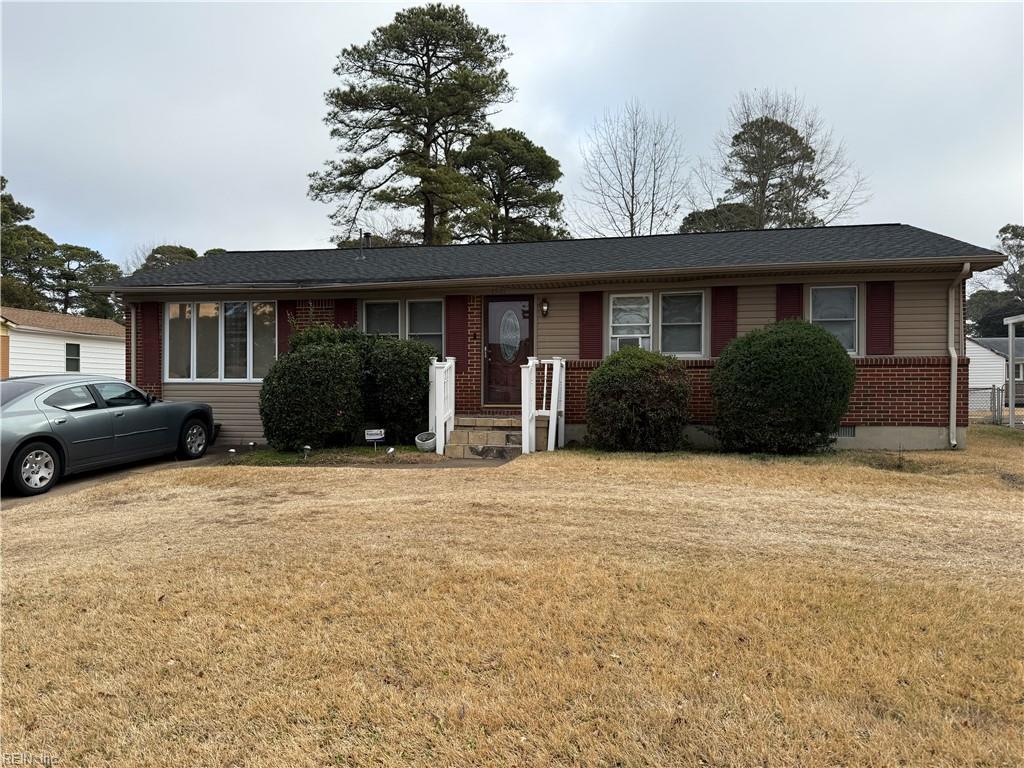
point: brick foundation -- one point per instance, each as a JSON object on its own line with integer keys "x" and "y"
{"x": 889, "y": 392}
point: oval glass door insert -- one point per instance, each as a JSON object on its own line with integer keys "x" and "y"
{"x": 510, "y": 334}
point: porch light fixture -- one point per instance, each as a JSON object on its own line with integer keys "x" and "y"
{"x": 544, "y": 307}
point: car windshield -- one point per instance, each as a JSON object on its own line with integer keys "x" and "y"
{"x": 12, "y": 389}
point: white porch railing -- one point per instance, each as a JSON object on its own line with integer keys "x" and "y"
{"x": 552, "y": 402}
{"x": 442, "y": 401}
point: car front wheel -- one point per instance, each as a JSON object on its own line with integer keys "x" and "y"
{"x": 35, "y": 469}
{"x": 195, "y": 438}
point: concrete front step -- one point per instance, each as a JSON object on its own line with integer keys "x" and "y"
{"x": 489, "y": 422}
{"x": 481, "y": 451}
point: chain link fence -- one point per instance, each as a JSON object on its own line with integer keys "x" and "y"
{"x": 988, "y": 405}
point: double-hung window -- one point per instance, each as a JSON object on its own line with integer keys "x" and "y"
{"x": 425, "y": 322}
{"x": 220, "y": 340}
{"x": 72, "y": 358}
{"x": 380, "y": 318}
{"x": 630, "y": 316}
{"x": 682, "y": 324}
{"x": 834, "y": 308}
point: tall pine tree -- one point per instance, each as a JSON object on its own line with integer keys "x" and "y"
{"x": 411, "y": 99}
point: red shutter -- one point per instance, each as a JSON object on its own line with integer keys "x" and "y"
{"x": 880, "y": 310}
{"x": 150, "y": 344}
{"x": 456, "y": 331}
{"x": 285, "y": 316}
{"x": 723, "y": 317}
{"x": 345, "y": 312}
{"x": 591, "y": 325}
{"x": 789, "y": 301}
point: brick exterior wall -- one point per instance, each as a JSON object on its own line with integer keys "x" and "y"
{"x": 889, "y": 391}
{"x": 149, "y": 362}
{"x": 469, "y": 382}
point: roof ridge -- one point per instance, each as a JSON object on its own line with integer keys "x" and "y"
{"x": 603, "y": 238}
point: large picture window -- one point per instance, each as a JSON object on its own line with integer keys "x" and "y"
{"x": 630, "y": 321}
{"x": 834, "y": 308}
{"x": 426, "y": 323}
{"x": 380, "y": 318}
{"x": 682, "y": 324}
{"x": 220, "y": 341}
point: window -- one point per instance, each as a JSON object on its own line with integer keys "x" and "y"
{"x": 1020, "y": 371}
{"x": 381, "y": 317}
{"x": 682, "y": 324}
{"x": 264, "y": 337}
{"x": 179, "y": 341}
{"x": 630, "y": 321}
{"x": 835, "y": 310}
{"x": 236, "y": 340}
{"x": 207, "y": 340}
{"x": 426, "y": 323}
{"x": 117, "y": 395}
{"x": 72, "y": 399}
{"x": 217, "y": 341}
{"x": 72, "y": 358}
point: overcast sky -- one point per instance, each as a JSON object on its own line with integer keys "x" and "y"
{"x": 132, "y": 124}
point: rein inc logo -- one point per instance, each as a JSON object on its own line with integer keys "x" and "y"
{"x": 29, "y": 758}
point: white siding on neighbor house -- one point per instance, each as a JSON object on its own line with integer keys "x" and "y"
{"x": 987, "y": 368}
{"x": 34, "y": 353}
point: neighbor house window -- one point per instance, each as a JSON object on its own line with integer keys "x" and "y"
{"x": 682, "y": 324}
{"x": 630, "y": 321}
{"x": 425, "y": 321}
{"x": 834, "y": 308}
{"x": 1019, "y": 367}
{"x": 217, "y": 341}
{"x": 380, "y": 318}
{"x": 72, "y": 358}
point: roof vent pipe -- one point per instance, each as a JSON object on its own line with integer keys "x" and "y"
{"x": 364, "y": 242}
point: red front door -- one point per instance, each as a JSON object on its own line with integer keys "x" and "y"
{"x": 509, "y": 327}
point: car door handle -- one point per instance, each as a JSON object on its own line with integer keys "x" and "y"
{"x": 60, "y": 421}
{"x": 119, "y": 414}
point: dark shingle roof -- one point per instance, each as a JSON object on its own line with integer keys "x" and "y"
{"x": 1001, "y": 346}
{"x": 726, "y": 250}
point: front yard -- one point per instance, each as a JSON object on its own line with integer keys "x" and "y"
{"x": 573, "y": 608}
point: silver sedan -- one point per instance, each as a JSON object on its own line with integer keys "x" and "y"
{"x": 52, "y": 426}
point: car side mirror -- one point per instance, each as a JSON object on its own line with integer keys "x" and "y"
{"x": 150, "y": 399}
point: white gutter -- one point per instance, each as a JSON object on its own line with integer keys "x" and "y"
{"x": 954, "y": 290}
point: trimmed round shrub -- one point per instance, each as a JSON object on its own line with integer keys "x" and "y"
{"x": 781, "y": 389}
{"x": 396, "y": 386}
{"x": 322, "y": 334}
{"x": 636, "y": 401}
{"x": 312, "y": 396}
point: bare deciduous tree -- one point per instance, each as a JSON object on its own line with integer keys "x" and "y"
{"x": 633, "y": 175}
{"x": 752, "y": 158}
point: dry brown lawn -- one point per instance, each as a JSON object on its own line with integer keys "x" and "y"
{"x": 567, "y": 609}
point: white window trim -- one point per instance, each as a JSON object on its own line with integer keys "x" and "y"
{"x": 703, "y": 324}
{"x": 856, "y": 312}
{"x": 408, "y": 315}
{"x": 396, "y": 302}
{"x": 1019, "y": 371}
{"x": 611, "y": 320}
{"x": 221, "y": 379}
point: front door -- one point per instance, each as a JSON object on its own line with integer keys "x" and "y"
{"x": 509, "y": 328}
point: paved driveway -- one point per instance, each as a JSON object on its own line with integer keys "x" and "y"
{"x": 77, "y": 482}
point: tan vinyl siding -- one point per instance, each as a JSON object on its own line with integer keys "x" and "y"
{"x": 235, "y": 407}
{"x": 920, "y": 317}
{"x": 559, "y": 332}
{"x": 755, "y": 307}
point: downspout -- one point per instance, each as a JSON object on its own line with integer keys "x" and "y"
{"x": 954, "y": 291}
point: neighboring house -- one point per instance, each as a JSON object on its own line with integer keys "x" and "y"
{"x": 990, "y": 363}
{"x": 34, "y": 343}
{"x": 893, "y": 295}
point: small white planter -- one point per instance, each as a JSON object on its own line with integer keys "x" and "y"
{"x": 426, "y": 441}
